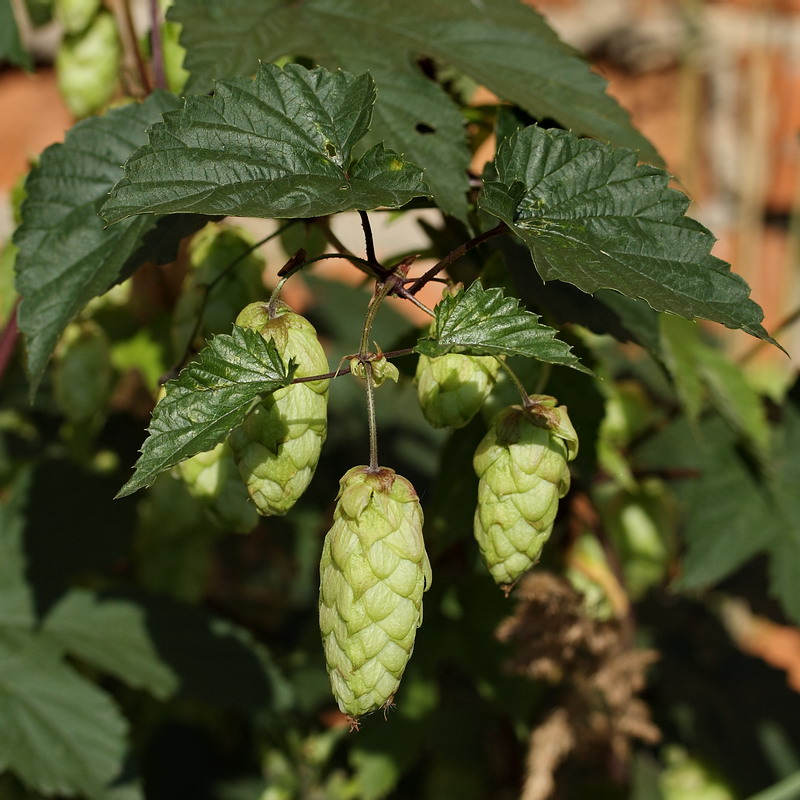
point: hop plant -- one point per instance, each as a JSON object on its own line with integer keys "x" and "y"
{"x": 87, "y": 65}
{"x": 83, "y": 375}
{"x": 452, "y": 388}
{"x": 213, "y": 479}
{"x": 373, "y": 572}
{"x": 522, "y": 468}
{"x": 277, "y": 447}
{"x": 211, "y": 253}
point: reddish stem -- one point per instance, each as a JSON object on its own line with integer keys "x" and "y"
{"x": 8, "y": 340}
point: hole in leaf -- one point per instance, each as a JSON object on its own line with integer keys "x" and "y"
{"x": 330, "y": 149}
{"x": 421, "y": 127}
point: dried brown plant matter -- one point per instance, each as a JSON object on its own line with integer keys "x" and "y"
{"x": 598, "y": 712}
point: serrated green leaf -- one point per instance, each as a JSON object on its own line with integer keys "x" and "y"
{"x": 112, "y": 636}
{"x": 277, "y": 146}
{"x": 701, "y": 370}
{"x": 504, "y": 45}
{"x": 66, "y": 255}
{"x": 208, "y": 400}
{"x": 729, "y": 517}
{"x": 593, "y": 218}
{"x": 16, "y": 600}
{"x": 785, "y": 552}
{"x": 484, "y": 322}
{"x": 58, "y": 732}
{"x": 11, "y": 49}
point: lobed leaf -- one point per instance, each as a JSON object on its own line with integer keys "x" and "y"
{"x": 11, "y": 47}
{"x": 58, "y": 732}
{"x": 66, "y": 254}
{"x": 505, "y": 46}
{"x": 277, "y": 146}
{"x": 484, "y": 322}
{"x": 209, "y": 398}
{"x": 112, "y": 636}
{"x": 591, "y": 217}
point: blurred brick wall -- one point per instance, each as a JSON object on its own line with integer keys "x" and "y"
{"x": 715, "y": 85}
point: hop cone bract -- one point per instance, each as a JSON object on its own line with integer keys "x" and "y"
{"x": 373, "y": 572}
{"x": 277, "y": 447}
{"x": 452, "y": 388}
{"x": 522, "y": 470}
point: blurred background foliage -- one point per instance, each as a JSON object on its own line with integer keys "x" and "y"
{"x": 654, "y": 654}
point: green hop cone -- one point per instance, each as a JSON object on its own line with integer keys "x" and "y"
{"x": 277, "y": 447}
{"x": 522, "y": 468}
{"x": 87, "y": 66}
{"x": 211, "y": 253}
{"x": 382, "y": 370}
{"x": 373, "y": 572}
{"x": 452, "y": 388}
{"x": 83, "y": 375}
{"x": 75, "y": 15}
{"x": 213, "y": 479}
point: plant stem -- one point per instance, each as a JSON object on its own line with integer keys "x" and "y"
{"x": 8, "y": 339}
{"x": 131, "y": 44}
{"x": 786, "y": 789}
{"x": 356, "y": 261}
{"x": 381, "y": 290}
{"x": 785, "y": 323}
{"x": 371, "y": 420}
{"x": 526, "y": 399}
{"x": 405, "y": 351}
{"x": 454, "y": 255}
{"x": 368, "y": 240}
{"x": 373, "y": 269}
{"x": 417, "y": 303}
{"x": 210, "y": 287}
{"x": 157, "y": 50}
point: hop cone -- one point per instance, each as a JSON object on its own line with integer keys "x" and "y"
{"x": 373, "y": 572}
{"x": 522, "y": 471}
{"x": 87, "y": 66}
{"x": 452, "y": 388}
{"x": 212, "y": 478}
{"x": 277, "y": 447}
{"x": 211, "y": 253}
{"x": 83, "y": 375}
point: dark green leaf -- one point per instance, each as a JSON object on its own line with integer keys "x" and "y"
{"x": 16, "y": 602}
{"x": 699, "y": 368}
{"x": 785, "y": 552}
{"x": 484, "y": 322}
{"x": 729, "y": 517}
{"x": 112, "y": 636}
{"x": 207, "y": 400}
{"x": 679, "y": 340}
{"x": 11, "y": 49}
{"x": 604, "y": 312}
{"x": 504, "y": 45}
{"x": 593, "y": 218}
{"x": 58, "y": 732}
{"x": 280, "y": 145}
{"x": 66, "y": 255}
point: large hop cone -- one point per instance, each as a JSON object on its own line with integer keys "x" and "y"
{"x": 452, "y": 388}
{"x": 522, "y": 469}
{"x": 373, "y": 572}
{"x": 212, "y": 478}
{"x": 277, "y": 446}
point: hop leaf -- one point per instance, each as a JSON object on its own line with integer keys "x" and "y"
{"x": 452, "y": 388}
{"x": 277, "y": 446}
{"x": 373, "y": 572}
{"x": 522, "y": 469}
